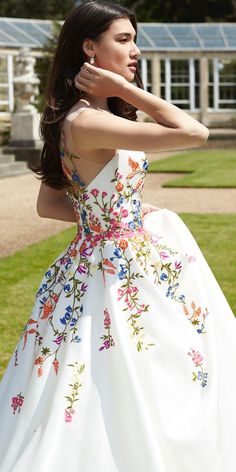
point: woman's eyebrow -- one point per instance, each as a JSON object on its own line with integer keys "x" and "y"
{"x": 128, "y": 35}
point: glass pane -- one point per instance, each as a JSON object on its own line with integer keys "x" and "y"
{"x": 227, "y": 70}
{"x": 227, "y": 92}
{"x": 210, "y": 70}
{"x": 163, "y": 72}
{"x": 227, "y": 105}
{"x": 183, "y": 106}
{"x": 3, "y": 70}
{"x": 163, "y": 92}
{"x": 211, "y": 96}
{"x": 197, "y": 71}
{"x": 197, "y": 96}
{"x": 179, "y": 71}
{"x": 179, "y": 93}
{"x": 3, "y": 94}
{"x": 149, "y": 70}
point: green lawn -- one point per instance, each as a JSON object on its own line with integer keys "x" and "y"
{"x": 21, "y": 273}
{"x": 204, "y": 168}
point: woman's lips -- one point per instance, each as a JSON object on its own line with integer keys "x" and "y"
{"x": 132, "y": 68}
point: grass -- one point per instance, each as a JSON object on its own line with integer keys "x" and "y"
{"x": 22, "y": 272}
{"x": 211, "y": 168}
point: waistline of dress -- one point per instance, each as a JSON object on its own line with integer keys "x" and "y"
{"x": 109, "y": 234}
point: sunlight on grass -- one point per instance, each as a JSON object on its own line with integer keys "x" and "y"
{"x": 22, "y": 272}
{"x": 212, "y": 168}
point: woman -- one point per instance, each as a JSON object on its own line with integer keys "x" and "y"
{"x": 127, "y": 362}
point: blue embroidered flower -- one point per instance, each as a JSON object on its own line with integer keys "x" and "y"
{"x": 201, "y": 330}
{"x": 203, "y": 377}
{"x": 68, "y": 263}
{"x": 83, "y": 215}
{"x": 120, "y": 201}
{"x": 48, "y": 273}
{"x": 118, "y": 253}
{"x": 77, "y": 339}
{"x": 123, "y": 272}
{"x": 73, "y": 322}
{"x": 145, "y": 165}
{"x": 163, "y": 277}
{"x": 67, "y": 288}
{"x": 131, "y": 225}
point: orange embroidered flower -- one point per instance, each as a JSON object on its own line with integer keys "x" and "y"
{"x": 73, "y": 253}
{"x": 119, "y": 186}
{"x": 40, "y": 371}
{"x": 133, "y": 164}
{"x": 123, "y": 244}
{"x": 47, "y": 309}
{"x": 95, "y": 227}
{"x": 56, "y": 365}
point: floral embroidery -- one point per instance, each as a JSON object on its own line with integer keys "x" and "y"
{"x": 17, "y": 402}
{"x": 200, "y": 375}
{"x": 107, "y": 338}
{"x": 73, "y": 395}
{"x": 197, "y": 317}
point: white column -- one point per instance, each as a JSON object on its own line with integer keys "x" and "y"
{"x": 10, "y": 82}
{"x": 216, "y": 83}
{"x": 168, "y": 79}
{"x": 144, "y": 72}
{"x": 192, "y": 84}
{"x": 156, "y": 75}
{"x": 204, "y": 96}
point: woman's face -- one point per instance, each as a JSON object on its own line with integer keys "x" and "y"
{"x": 116, "y": 50}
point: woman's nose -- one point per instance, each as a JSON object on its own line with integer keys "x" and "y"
{"x": 135, "y": 50}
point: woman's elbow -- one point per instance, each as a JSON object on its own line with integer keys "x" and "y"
{"x": 200, "y": 135}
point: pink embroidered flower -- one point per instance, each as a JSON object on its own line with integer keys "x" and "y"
{"x": 68, "y": 417}
{"x": 178, "y": 265}
{"x": 191, "y": 259}
{"x": 164, "y": 255}
{"x": 17, "y": 402}
{"x": 107, "y": 322}
{"x": 197, "y": 358}
{"x": 95, "y": 192}
{"x": 104, "y": 194}
{"x": 124, "y": 212}
{"x": 82, "y": 269}
{"x": 107, "y": 338}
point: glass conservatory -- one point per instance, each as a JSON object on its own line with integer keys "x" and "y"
{"x": 191, "y": 65}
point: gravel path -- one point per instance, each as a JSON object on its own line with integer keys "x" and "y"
{"x": 21, "y": 226}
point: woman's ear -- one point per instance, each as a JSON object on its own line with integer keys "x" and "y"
{"x": 88, "y": 47}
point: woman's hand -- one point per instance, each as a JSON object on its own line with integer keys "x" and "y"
{"x": 99, "y": 82}
{"x": 147, "y": 208}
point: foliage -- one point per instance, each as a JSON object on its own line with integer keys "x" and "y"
{"x": 210, "y": 168}
{"x": 185, "y": 11}
{"x": 43, "y": 9}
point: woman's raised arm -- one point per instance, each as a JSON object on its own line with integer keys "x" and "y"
{"x": 173, "y": 127}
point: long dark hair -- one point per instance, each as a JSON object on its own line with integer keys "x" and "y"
{"x": 88, "y": 20}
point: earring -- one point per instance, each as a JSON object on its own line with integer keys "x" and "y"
{"x": 92, "y": 59}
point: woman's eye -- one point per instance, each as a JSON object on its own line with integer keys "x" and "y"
{"x": 123, "y": 40}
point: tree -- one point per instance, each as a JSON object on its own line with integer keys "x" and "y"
{"x": 186, "y": 11}
{"x": 41, "y": 9}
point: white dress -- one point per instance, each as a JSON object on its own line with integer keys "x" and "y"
{"x": 128, "y": 360}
